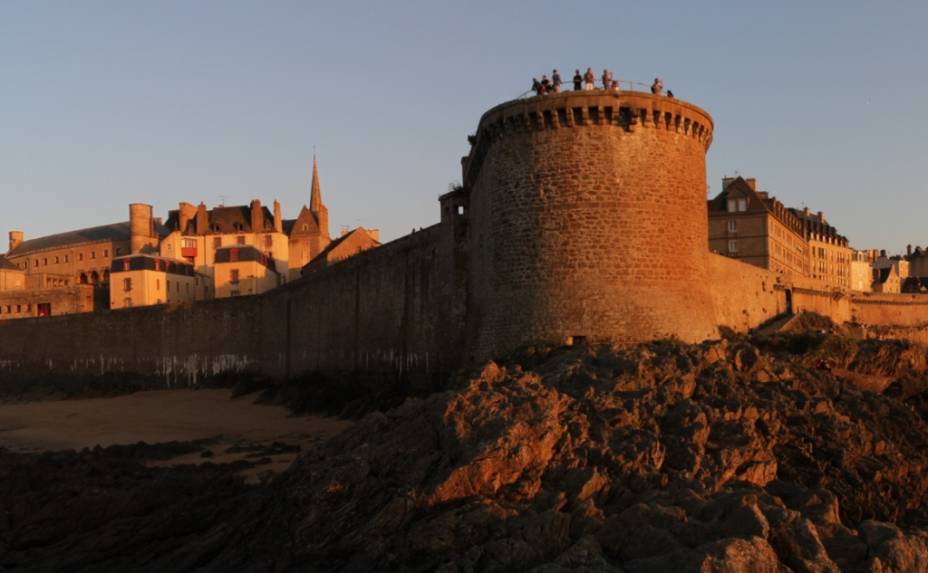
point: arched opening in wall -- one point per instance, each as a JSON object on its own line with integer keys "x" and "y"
{"x": 106, "y": 276}
{"x": 789, "y": 301}
{"x": 95, "y": 278}
{"x": 83, "y": 278}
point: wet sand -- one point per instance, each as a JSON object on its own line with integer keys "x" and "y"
{"x": 166, "y": 416}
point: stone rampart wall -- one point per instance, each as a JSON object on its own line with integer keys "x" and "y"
{"x": 878, "y": 309}
{"x": 383, "y": 312}
{"x": 744, "y": 295}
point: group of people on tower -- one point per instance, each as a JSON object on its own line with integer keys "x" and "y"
{"x": 586, "y": 81}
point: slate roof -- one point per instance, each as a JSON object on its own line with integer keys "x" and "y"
{"x": 323, "y": 254}
{"x": 233, "y": 219}
{"x": 111, "y": 232}
{"x": 5, "y": 264}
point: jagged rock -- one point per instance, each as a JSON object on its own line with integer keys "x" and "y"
{"x": 740, "y": 455}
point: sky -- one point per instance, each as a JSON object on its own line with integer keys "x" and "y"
{"x": 103, "y": 104}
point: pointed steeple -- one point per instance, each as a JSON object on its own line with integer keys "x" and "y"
{"x": 315, "y": 195}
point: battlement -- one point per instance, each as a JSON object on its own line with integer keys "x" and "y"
{"x": 625, "y": 110}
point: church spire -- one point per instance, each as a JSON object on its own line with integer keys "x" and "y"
{"x": 315, "y": 195}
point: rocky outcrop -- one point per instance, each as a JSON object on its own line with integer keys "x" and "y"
{"x": 725, "y": 456}
{"x": 772, "y": 454}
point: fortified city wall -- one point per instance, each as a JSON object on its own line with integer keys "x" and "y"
{"x": 383, "y": 312}
{"x": 581, "y": 215}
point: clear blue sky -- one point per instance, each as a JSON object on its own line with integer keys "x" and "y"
{"x": 107, "y": 103}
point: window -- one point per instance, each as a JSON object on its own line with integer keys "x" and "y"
{"x": 240, "y": 239}
{"x": 56, "y": 260}
{"x": 127, "y": 284}
{"x": 67, "y": 258}
{"x": 80, "y": 256}
{"x": 127, "y": 302}
{"x": 19, "y": 308}
{"x": 732, "y": 225}
{"x": 233, "y": 276}
{"x": 106, "y": 253}
{"x": 157, "y": 284}
{"x": 305, "y": 227}
{"x": 167, "y": 285}
{"x": 36, "y": 263}
{"x": 217, "y": 242}
{"x": 93, "y": 254}
{"x": 732, "y": 246}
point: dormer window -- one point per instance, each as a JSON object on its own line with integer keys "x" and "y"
{"x": 737, "y": 204}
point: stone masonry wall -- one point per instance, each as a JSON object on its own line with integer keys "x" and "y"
{"x": 903, "y": 310}
{"x": 384, "y": 312}
{"x": 744, "y": 295}
{"x": 588, "y": 218}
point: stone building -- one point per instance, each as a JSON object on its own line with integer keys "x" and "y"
{"x": 243, "y": 270}
{"x": 887, "y": 280}
{"x": 829, "y": 252}
{"x": 918, "y": 261}
{"x": 309, "y": 232}
{"x": 753, "y": 227}
{"x": 12, "y": 277}
{"x": 197, "y": 234}
{"x": 348, "y": 245}
{"x": 861, "y": 269}
{"x": 143, "y": 279}
{"x": 83, "y": 256}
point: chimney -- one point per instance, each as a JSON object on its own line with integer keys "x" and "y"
{"x": 908, "y": 250}
{"x": 16, "y": 237}
{"x": 752, "y": 183}
{"x": 821, "y": 217}
{"x": 202, "y": 219}
{"x": 257, "y": 216}
{"x": 278, "y": 220}
{"x": 882, "y": 253}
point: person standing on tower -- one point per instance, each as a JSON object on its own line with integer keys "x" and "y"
{"x": 607, "y": 79}
{"x": 545, "y": 84}
{"x": 536, "y": 86}
{"x": 657, "y": 87}
{"x": 556, "y": 81}
{"x": 578, "y": 80}
{"x": 589, "y": 79}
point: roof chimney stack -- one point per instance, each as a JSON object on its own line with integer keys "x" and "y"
{"x": 278, "y": 220}
{"x": 16, "y": 237}
{"x": 257, "y": 216}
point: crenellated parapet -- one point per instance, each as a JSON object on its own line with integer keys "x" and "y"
{"x": 587, "y": 219}
{"x": 627, "y": 111}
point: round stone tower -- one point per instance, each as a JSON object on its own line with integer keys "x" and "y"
{"x": 141, "y": 228}
{"x": 587, "y": 218}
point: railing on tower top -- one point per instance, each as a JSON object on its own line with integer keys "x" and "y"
{"x": 623, "y": 86}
